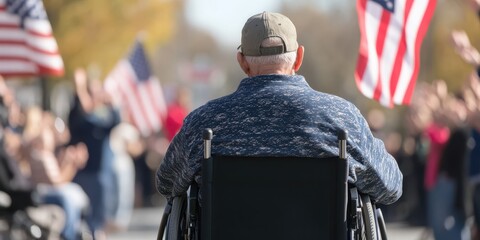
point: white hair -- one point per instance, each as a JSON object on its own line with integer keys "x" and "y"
{"x": 284, "y": 59}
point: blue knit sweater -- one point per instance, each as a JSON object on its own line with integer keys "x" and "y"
{"x": 280, "y": 115}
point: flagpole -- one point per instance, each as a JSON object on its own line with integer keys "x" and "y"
{"x": 44, "y": 92}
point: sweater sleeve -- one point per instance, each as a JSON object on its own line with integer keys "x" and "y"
{"x": 174, "y": 175}
{"x": 374, "y": 171}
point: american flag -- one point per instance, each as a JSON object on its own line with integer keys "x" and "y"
{"x": 392, "y": 32}
{"x": 27, "y": 46}
{"x": 134, "y": 88}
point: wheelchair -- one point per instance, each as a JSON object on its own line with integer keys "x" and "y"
{"x": 272, "y": 198}
{"x": 15, "y": 222}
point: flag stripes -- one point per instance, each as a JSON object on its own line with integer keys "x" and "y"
{"x": 389, "y": 53}
{"x": 133, "y": 87}
{"x": 27, "y": 46}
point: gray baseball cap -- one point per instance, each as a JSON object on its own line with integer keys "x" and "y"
{"x": 265, "y": 25}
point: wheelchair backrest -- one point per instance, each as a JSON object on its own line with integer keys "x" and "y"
{"x": 274, "y": 198}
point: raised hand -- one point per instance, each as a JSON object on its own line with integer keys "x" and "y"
{"x": 464, "y": 48}
{"x": 475, "y": 4}
{"x": 81, "y": 81}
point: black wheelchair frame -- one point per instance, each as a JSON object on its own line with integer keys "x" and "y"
{"x": 181, "y": 217}
{"x": 15, "y": 222}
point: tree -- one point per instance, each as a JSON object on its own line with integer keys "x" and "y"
{"x": 446, "y": 64}
{"x": 331, "y": 47}
{"x": 91, "y": 32}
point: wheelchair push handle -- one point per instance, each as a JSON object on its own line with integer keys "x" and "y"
{"x": 207, "y": 143}
{"x": 342, "y": 136}
{"x": 207, "y": 134}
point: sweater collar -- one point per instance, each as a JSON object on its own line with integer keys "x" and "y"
{"x": 274, "y": 79}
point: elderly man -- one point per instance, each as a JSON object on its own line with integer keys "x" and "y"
{"x": 275, "y": 113}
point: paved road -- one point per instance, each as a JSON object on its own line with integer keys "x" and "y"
{"x": 145, "y": 223}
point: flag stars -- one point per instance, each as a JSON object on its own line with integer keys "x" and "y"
{"x": 27, "y": 8}
{"x": 388, "y": 5}
{"x": 138, "y": 61}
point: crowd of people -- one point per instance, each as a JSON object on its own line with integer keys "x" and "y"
{"x": 439, "y": 152}
{"x": 448, "y": 122}
{"x": 86, "y": 172}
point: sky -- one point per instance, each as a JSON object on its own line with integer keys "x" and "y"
{"x": 225, "y": 18}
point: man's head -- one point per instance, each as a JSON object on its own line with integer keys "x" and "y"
{"x": 269, "y": 45}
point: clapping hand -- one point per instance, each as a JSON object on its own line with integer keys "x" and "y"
{"x": 463, "y": 47}
{"x": 475, "y": 4}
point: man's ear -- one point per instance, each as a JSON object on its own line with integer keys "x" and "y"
{"x": 299, "y": 59}
{"x": 243, "y": 63}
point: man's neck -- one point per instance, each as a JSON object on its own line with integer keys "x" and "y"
{"x": 271, "y": 71}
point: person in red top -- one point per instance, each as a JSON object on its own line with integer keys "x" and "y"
{"x": 176, "y": 112}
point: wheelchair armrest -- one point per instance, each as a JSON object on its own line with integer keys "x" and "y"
{"x": 193, "y": 206}
{"x": 354, "y": 209}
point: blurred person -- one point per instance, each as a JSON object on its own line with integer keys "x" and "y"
{"x": 474, "y": 158}
{"x": 12, "y": 114}
{"x": 176, "y": 112}
{"x": 430, "y": 137}
{"x": 417, "y": 119}
{"x": 15, "y": 122}
{"x": 16, "y": 118}
{"x": 146, "y": 165}
{"x": 52, "y": 168}
{"x": 475, "y": 4}
{"x": 15, "y": 184}
{"x": 156, "y": 145}
{"x": 471, "y": 92}
{"x": 437, "y": 133}
{"x": 464, "y": 48}
{"x": 419, "y": 113}
{"x": 126, "y": 143}
{"x": 23, "y": 197}
{"x": 447, "y": 205}
{"x": 10, "y": 142}
{"x": 91, "y": 120}
{"x": 269, "y": 107}
{"x": 446, "y": 160}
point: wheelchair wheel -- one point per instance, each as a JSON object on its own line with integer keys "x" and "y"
{"x": 381, "y": 225}
{"x": 369, "y": 218}
{"x": 176, "y": 225}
